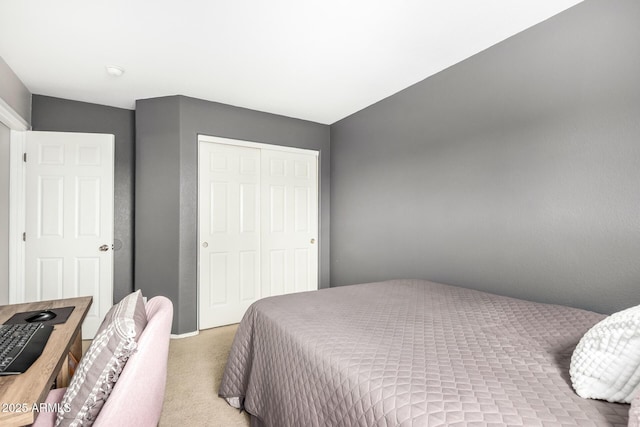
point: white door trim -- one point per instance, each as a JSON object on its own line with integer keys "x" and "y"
{"x": 17, "y": 217}
{"x": 18, "y": 126}
{"x": 251, "y": 144}
{"x": 11, "y": 118}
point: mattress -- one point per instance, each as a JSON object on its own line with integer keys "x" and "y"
{"x": 410, "y": 353}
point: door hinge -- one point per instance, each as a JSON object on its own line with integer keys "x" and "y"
{"x": 24, "y": 236}
{"x": 24, "y": 157}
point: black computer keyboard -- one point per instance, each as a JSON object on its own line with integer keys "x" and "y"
{"x": 21, "y": 345}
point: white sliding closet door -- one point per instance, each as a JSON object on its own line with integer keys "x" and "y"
{"x": 258, "y": 226}
{"x": 289, "y": 222}
{"x": 229, "y": 261}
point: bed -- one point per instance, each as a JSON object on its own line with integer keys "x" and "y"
{"x": 410, "y": 353}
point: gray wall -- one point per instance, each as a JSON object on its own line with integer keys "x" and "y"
{"x": 515, "y": 171}
{"x": 5, "y": 139}
{"x": 61, "y": 115}
{"x": 157, "y": 208}
{"x": 166, "y": 187}
{"x": 14, "y": 92}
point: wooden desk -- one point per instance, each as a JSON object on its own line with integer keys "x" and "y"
{"x": 32, "y": 387}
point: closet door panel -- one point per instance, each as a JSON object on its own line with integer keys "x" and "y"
{"x": 290, "y": 222}
{"x": 229, "y": 230}
{"x": 258, "y": 226}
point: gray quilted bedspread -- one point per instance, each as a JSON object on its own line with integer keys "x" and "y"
{"x": 410, "y": 353}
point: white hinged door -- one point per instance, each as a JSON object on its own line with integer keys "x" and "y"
{"x": 69, "y": 198}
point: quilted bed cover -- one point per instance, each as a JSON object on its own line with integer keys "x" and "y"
{"x": 410, "y": 353}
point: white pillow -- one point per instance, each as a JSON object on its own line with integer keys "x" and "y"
{"x": 606, "y": 363}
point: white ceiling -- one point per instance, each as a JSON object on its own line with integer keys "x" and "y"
{"x": 318, "y": 60}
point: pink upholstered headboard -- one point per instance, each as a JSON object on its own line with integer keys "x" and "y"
{"x": 137, "y": 397}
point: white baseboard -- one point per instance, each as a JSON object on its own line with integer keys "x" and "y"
{"x": 187, "y": 335}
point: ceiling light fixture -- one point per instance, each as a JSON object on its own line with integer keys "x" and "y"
{"x": 112, "y": 70}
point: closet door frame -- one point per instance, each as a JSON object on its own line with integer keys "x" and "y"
{"x": 259, "y": 145}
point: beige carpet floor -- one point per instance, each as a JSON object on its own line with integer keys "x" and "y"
{"x": 194, "y": 373}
